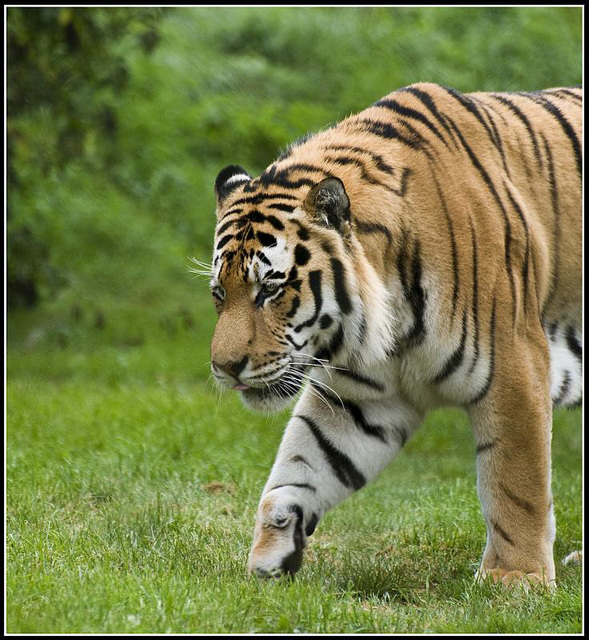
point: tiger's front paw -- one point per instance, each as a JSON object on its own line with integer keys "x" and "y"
{"x": 279, "y": 540}
{"x": 515, "y": 578}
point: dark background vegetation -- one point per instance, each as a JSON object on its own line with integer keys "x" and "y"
{"x": 119, "y": 120}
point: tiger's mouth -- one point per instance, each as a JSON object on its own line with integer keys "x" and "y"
{"x": 278, "y": 394}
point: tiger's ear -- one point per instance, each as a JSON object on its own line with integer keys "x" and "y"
{"x": 229, "y": 179}
{"x": 329, "y": 203}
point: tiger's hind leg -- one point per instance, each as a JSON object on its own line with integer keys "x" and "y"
{"x": 566, "y": 373}
{"x": 512, "y": 427}
{"x": 566, "y": 364}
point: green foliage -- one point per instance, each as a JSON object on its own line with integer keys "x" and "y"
{"x": 67, "y": 69}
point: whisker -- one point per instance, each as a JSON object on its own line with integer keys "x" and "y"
{"x": 325, "y": 386}
{"x": 202, "y": 268}
{"x": 311, "y": 390}
{"x": 302, "y": 376}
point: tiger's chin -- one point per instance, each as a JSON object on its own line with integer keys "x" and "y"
{"x": 272, "y": 398}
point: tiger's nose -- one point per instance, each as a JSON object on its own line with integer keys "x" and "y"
{"x": 232, "y": 367}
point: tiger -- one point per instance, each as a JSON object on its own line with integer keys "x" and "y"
{"x": 422, "y": 253}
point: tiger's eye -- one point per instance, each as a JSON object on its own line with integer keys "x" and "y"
{"x": 269, "y": 287}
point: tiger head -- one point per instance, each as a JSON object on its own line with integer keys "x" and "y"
{"x": 287, "y": 287}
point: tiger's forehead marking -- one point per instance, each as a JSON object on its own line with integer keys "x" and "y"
{"x": 253, "y": 244}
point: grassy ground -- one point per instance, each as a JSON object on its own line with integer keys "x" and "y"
{"x": 132, "y": 491}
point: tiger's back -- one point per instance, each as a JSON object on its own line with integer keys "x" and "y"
{"x": 490, "y": 185}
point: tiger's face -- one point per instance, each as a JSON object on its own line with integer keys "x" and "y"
{"x": 280, "y": 288}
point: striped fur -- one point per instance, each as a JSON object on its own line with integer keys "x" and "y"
{"x": 422, "y": 253}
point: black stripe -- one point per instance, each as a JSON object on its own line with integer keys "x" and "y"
{"x": 388, "y": 132}
{"x": 552, "y": 330}
{"x": 483, "y": 392}
{"x": 485, "y": 446}
{"x": 266, "y": 239}
{"x": 427, "y": 101}
{"x": 315, "y": 286}
{"x": 275, "y": 222}
{"x": 556, "y": 231}
{"x": 525, "y": 267}
{"x": 301, "y": 255}
{"x": 293, "y": 275}
{"x": 261, "y": 197}
{"x": 373, "y": 227}
{"x": 344, "y": 469}
{"x": 452, "y": 245}
{"x": 378, "y": 160}
{"x": 498, "y": 200}
{"x": 231, "y": 212}
{"x": 520, "y": 502}
{"x": 527, "y": 124}
{"x": 302, "y": 485}
{"x": 411, "y": 282}
{"x": 499, "y": 144}
{"x": 502, "y": 533}
{"x": 407, "y": 112}
{"x": 339, "y": 282}
{"x": 456, "y": 358}
{"x": 558, "y": 93}
{"x": 469, "y": 105}
{"x": 273, "y": 176}
{"x": 564, "y": 388}
{"x": 292, "y": 562}
{"x": 373, "y": 430}
{"x": 334, "y": 345}
{"x": 325, "y": 321}
{"x": 310, "y": 528}
{"x": 287, "y": 208}
{"x": 376, "y": 431}
{"x": 302, "y": 459}
{"x": 302, "y": 231}
{"x": 262, "y": 256}
{"x": 275, "y": 275}
{"x": 369, "y": 382}
{"x": 402, "y": 190}
{"x": 566, "y": 127}
{"x": 416, "y": 136}
{"x": 224, "y": 241}
{"x": 293, "y": 145}
{"x": 573, "y": 344}
{"x": 297, "y": 346}
{"x": 225, "y": 226}
{"x": 364, "y": 174}
{"x": 296, "y": 303}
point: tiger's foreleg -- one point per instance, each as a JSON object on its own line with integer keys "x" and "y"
{"x": 512, "y": 426}
{"x": 328, "y": 451}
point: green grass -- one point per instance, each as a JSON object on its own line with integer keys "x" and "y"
{"x": 114, "y": 525}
